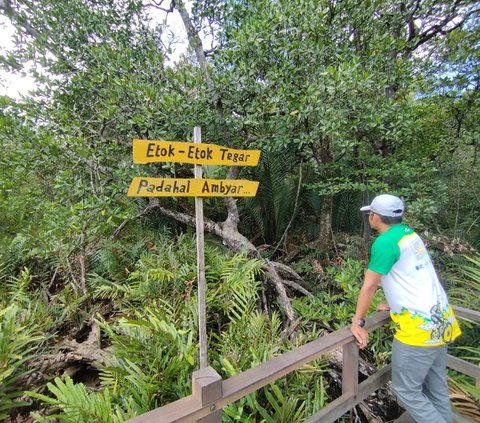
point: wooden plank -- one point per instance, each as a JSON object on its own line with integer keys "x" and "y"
{"x": 350, "y": 368}
{"x": 206, "y": 385}
{"x": 463, "y": 366}
{"x": 456, "y": 418}
{"x": 175, "y": 412}
{"x": 346, "y": 402}
{"x": 405, "y": 418}
{"x": 201, "y": 282}
{"x": 467, "y": 313}
{"x": 215, "y": 417}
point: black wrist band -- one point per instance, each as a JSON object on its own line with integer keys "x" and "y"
{"x": 360, "y": 322}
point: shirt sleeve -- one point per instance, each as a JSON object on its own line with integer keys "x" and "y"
{"x": 383, "y": 256}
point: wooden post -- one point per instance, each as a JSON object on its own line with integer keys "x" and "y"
{"x": 350, "y": 368}
{"x": 201, "y": 283}
{"x": 207, "y": 388}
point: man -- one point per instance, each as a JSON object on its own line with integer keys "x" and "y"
{"x": 418, "y": 305}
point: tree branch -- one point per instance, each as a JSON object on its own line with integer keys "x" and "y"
{"x": 196, "y": 44}
{"x": 284, "y": 235}
{"x": 440, "y": 28}
{"x": 20, "y": 21}
{"x": 6, "y": 6}
{"x": 158, "y": 5}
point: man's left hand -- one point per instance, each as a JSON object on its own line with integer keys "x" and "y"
{"x": 360, "y": 334}
{"x": 383, "y": 307}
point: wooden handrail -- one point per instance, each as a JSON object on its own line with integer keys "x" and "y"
{"x": 466, "y": 313}
{"x": 211, "y": 394}
{"x": 338, "y": 407}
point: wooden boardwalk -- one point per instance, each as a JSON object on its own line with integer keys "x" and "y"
{"x": 211, "y": 393}
{"x": 457, "y": 418}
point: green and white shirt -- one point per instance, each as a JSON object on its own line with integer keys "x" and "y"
{"x": 418, "y": 303}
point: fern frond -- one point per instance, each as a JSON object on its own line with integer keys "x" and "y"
{"x": 20, "y": 340}
{"x": 463, "y": 401}
{"x": 74, "y": 403}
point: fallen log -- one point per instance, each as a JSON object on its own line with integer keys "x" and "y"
{"x": 70, "y": 353}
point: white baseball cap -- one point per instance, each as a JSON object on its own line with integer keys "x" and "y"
{"x": 386, "y": 205}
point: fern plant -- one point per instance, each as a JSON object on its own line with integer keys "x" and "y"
{"x": 251, "y": 337}
{"x": 151, "y": 365}
{"x": 160, "y": 271}
{"x": 74, "y": 404}
{"x": 15, "y": 288}
{"x": 153, "y": 357}
{"x": 463, "y": 288}
{"x": 464, "y": 285}
{"x": 233, "y": 285}
{"x": 268, "y": 213}
{"x": 465, "y": 398}
{"x": 20, "y": 339}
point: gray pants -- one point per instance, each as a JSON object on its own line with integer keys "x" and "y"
{"x": 419, "y": 380}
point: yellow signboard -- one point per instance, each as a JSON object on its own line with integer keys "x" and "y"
{"x": 173, "y": 187}
{"x": 145, "y": 151}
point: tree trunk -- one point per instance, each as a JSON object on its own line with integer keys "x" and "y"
{"x": 325, "y": 225}
{"x": 323, "y": 156}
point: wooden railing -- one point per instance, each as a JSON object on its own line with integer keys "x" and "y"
{"x": 210, "y": 394}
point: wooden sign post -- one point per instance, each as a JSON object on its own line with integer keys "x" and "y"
{"x": 202, "y": 284}
{"x": 145, "y": 151}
